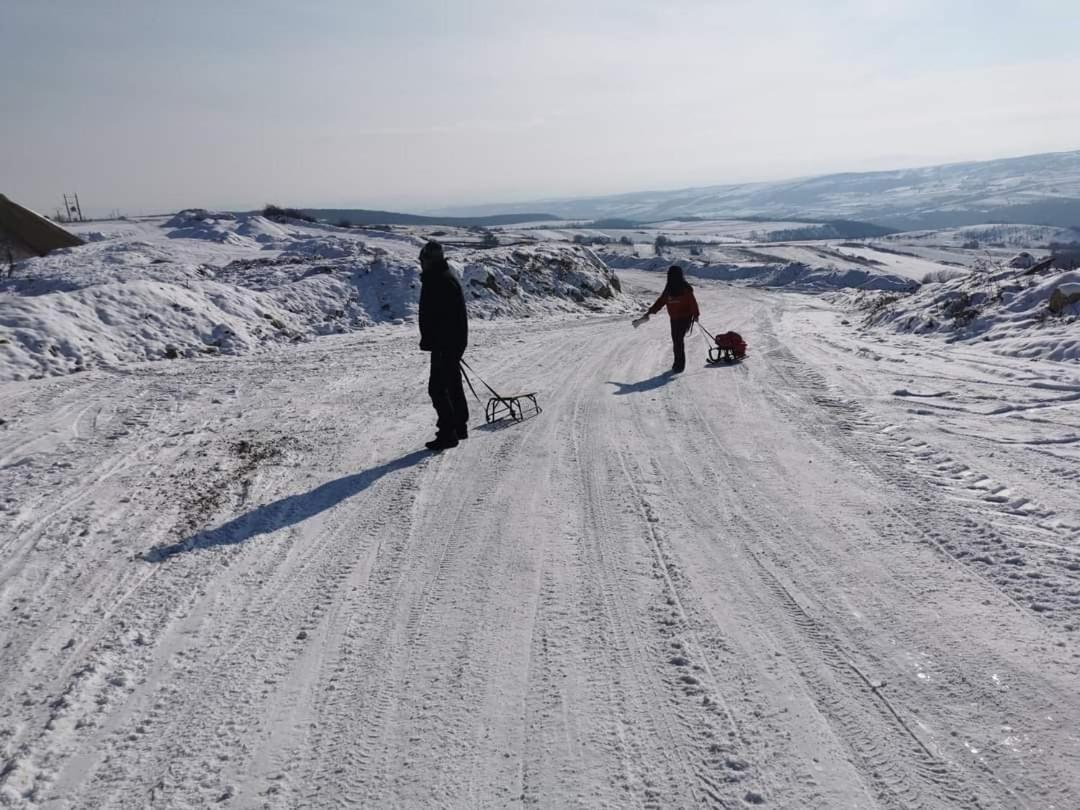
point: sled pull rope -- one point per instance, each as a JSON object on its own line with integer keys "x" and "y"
{"x": 710, "y": 340}
{"x": 464, "y": 366}
{"x": 468, "y": 382}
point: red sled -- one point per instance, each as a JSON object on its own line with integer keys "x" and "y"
{"x": 729, "y": 348}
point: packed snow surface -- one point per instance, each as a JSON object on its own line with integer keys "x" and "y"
{"x": 199, "y": 284}
{"x": 842, "y": 573}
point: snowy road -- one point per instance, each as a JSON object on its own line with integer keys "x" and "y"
{"x": 844, "y": 573}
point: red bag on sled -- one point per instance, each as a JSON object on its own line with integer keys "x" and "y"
{"x": 729, "y": 346}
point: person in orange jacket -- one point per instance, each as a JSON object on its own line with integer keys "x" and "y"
{"x": 682, "y": 307}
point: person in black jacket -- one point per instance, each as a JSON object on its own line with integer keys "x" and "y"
{"x": 444, "y": 331}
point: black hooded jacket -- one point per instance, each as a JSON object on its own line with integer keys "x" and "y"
{"x": 444, "y": 324}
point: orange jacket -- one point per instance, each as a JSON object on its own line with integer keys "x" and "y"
{"x": 679, "y": 307}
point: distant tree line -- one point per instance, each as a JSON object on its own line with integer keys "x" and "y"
{"x": 591, "y": 239}
{"x": 834, "y": 229}
{"x": 276, "y": 213}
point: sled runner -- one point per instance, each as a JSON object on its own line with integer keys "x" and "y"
{"x": 517, "y": 407}
{"x": 726, "y": 348}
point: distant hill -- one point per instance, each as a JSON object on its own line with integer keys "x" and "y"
{"x": 361, "y": 216}
{"x": 1037, "y": 189}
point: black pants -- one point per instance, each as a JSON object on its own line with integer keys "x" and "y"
{"x": 447, "y": 394}
{"x": 680, "y": 328}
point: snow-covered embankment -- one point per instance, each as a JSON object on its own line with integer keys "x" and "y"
{"x": 205, "y": 284}
{"x": 1021, "y": 314}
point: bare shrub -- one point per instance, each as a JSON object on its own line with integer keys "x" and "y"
{"x": 278, "y": 214}
{"x": 942, "y": 275}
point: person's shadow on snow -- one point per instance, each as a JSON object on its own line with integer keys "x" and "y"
{"x": 660, "y": 379}
{"x": 284, "y": 512}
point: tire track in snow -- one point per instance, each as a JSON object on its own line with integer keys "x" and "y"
{"x": 694, "y": 727}
{"x": 574, "y": 685}
{"x": 256, "y": 645}
{"x": 897, "y": 775}
{"x": 721, "y": 764}
{"x": 751, "y": 757}
{"x": 82, "y": 673}
{"x": 1045, "y": 579}
{"x": 983, "y": 772}
{"x": 459, "y": 548}
{"x": 902, "y": 768}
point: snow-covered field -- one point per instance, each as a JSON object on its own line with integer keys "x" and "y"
{"x": 843, "y": 573}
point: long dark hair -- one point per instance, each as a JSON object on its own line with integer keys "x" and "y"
{"x": 676, "y": 282}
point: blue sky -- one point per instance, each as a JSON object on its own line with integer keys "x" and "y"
{"x": 150, "y": 106}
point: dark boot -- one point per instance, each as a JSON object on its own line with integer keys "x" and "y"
{"x": 441, "y": 443}
{"x": 462, "y": 432}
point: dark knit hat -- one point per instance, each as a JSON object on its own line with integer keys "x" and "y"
{"x": 431, "y": 251}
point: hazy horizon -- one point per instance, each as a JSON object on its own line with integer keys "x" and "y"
{"x": 142, "y": 108}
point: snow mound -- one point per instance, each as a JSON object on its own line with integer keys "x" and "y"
{"x": 261, "y": 229}
{"x": 1022, "y": 261}
{"x": 508, "y": 281}
{"x": 200, "y": 224}
{"x": 113, "y": 324}
{"x": 201, "y": 284}
{"x": 1022, "y": 315}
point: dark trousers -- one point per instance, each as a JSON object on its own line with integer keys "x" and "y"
{"x": 447, "y": 393}
{"x": 680, "y": 328}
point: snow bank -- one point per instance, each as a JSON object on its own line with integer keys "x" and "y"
{"x": 202, "y": 284}
{"x": 508, "y": 281}
{"x": 1022, "y": 315}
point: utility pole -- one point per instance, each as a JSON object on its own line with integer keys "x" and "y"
{"x": 72, "y": 209}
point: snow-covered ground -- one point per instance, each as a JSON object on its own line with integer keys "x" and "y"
{"x": 843, "y": 573}
{"x": 761, "y": 253}
{"x": 1001, "y": 236}
{"x": 1010, "y": 312}
{"x": 199, "y": 284}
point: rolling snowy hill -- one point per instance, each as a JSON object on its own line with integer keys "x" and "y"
{"x": 1039, "y": 189}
